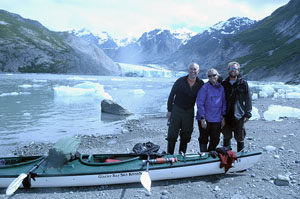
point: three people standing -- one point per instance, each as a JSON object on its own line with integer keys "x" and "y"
{"x": 221, "y": 108}
{"x": 181, "y": 104}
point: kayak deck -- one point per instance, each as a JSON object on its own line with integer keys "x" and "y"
{"x": 101, "y": 169}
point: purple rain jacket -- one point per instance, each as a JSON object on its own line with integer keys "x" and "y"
{"x": 211, "y": 103}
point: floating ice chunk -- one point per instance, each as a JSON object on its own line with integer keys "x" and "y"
{"x": 138, "y": 92}
{"x": 25, "y": 86}
{"x": 81, "y": 78}
{"x": 278, "y": 95}
{"x": 37, "y": 85}
{"x": 263, "y": 94}
{"x": 66, "y": 91}
{"x": 293, "y": 95}
{"x": 9, "y": 94}
{"x": 269, "y": 90}
{"x": 14, "y": 94}
{"x": 118, "y": 79}
{"x": 275, "y": 112}
{"x": 81, "y": 92}
{"x": 255, "y": 114}
{"x": 26, "y": 114}
{"x": 281, "y": 91}
{"x": 254, "y": 96}
{"x": 24, "y": 93}
{"x": 98, "y": 89}
{"x": 39, "y": 80}
{"x": 75, "y": 78}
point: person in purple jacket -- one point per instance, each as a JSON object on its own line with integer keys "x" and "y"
{"x": 211, "y": 110}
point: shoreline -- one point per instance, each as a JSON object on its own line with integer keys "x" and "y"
{"x": 257, "y": 182}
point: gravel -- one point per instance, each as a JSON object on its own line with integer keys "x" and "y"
{"x": 276, "y": 175}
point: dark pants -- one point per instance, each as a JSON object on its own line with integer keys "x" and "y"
{"x": 211, "y": 132}
{"x": 237, "y": 127}
{"x": 181, "y": 124}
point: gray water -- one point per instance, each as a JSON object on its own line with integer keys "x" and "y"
{"x": 31, "y": 112}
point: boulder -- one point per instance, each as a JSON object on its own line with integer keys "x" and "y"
{"x": 109, "y": 106}
{"x": 282, "y": 180}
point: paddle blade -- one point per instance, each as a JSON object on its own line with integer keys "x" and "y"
{"x": 15, "y": 184}
{"x": 146, "y": 180}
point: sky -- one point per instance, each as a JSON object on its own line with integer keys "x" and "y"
{"x": 131, "y": 18}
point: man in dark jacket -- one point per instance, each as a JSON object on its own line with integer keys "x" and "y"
{"x": 239, "y": 106}
{"x": 181, "y": 104}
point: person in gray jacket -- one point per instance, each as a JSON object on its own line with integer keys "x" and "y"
{"x": 239, "y": 106}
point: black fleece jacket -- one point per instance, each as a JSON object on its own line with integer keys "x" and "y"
{"x": 183, "y": 95}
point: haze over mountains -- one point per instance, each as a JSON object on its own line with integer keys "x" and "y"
{"x": 264, "y": 48}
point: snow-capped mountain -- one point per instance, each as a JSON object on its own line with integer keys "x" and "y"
{"x": 152, "y": 46}
{"x": 183, "y": 34}
{"x": 102, "y": 39}
{"x": 232, "y": 26}
{"x": 202, "y": 47}
{"x": 225, "y": 29}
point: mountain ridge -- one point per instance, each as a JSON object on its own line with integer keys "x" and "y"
{"x": 264, "y": 48}
{"x": 27, "y": 46}
{"x": 206, "y": 48}
{"x": 275, "y": 45}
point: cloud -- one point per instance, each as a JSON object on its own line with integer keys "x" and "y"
{"x": 133, "y": 17}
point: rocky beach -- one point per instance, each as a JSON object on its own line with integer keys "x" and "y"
{"x": 276, "y": 175}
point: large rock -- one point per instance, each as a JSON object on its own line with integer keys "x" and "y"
{"x": 282, "y": 180}
{"x": 109, "y": 106}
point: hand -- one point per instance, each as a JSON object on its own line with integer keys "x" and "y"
{"x": 222, "y": 122}
{"x": 168, "y": 115}
{"x": 203, "y": 123}
{"x": 246, "y": 119}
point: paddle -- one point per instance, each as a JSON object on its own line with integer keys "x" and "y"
{"x": 15, "y": 184}
{"x": 145, "y": 177}
{"x": 65, "y": 146}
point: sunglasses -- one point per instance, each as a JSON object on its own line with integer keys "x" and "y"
{"x": 233, "y": 69}
{"x": 212, "y": 75}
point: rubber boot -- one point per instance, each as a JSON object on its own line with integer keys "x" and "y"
{"x": 227, "y": 143}
{"x": 203, "y": 147}
{"x": 182, "y": 147}
{"x": 171, "y": 147}
{"x": 240, "y": 146}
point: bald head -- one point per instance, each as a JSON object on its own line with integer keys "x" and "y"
{"x": 193, "y": 70}
{"x": 193, "y": 65}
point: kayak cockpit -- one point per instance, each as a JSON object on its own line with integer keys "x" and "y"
{"x": 106, "y": 159}
{"x": 18, "y": 161}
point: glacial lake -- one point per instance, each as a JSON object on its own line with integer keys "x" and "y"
{"x": 47, "y": 107}
{"x": 32, "y": 109}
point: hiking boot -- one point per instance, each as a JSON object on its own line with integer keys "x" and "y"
{"x": 171, "y": 147}
{"x": 227, "y": 143}
{"x": 182, "y": 147}
{"x": 203, "y": 147}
